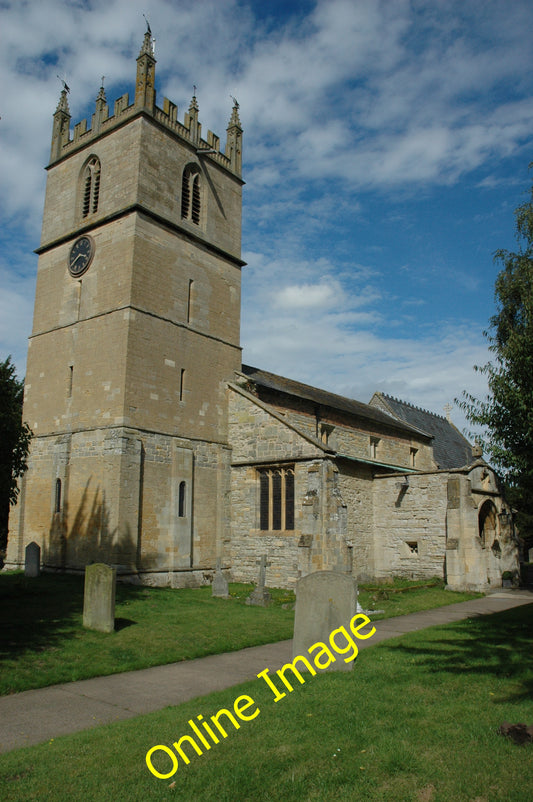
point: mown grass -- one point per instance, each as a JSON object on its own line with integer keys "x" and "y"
{"x": 417, "y": 719}
{"x": 43, "y": 641}
{"x": 403, "y": 596}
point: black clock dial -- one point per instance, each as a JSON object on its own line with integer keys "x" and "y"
{"x": 80, "y": 256}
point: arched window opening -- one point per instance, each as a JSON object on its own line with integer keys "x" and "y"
{"x": 276, "y": 499}
{"x": 91, "y": 187}
{"x": 57, "y": 502}
{"x": 191, "y": 194}
{"x": 181, "y": 500}
{"x": 487, "y": 523}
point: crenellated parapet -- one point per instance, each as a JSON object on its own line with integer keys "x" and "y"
{"x": 190, "y": 130}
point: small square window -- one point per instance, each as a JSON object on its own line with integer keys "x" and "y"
{"x": 413, "y": 547}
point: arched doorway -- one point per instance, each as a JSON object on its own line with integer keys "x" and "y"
{"x": 488, "y": 524}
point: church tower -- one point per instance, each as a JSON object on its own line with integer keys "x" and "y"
{"x": 135, "y": 333}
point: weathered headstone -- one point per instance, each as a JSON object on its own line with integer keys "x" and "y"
{"x": 260, "y": 597}
{"x": 325, "y": 600}
{"x": 32, "y": 560}
{"x": 219, "y": 588}
{"x": 99, "y": 597}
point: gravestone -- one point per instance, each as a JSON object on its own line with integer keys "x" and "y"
{"x": 260, "y": 597}
{"x": 32, "y": 560}
{"x": 219, "y": 588}
{"x": 325, "y": 600}
{"x": 99, "y": 597}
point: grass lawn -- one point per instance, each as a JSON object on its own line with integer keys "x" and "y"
{"x": 43, "y": 641}
{"x": 416, "y": 719}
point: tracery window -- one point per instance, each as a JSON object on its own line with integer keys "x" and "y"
{"x": 191, "y": 195}
{"x": 90, "y": 186}
{"x": 276, "y": 498}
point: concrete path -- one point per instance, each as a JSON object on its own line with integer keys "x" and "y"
{"x": 35, "y": 716}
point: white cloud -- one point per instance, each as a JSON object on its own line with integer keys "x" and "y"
{"x": 357, "y": 96}
{"x": 307, "y": 296}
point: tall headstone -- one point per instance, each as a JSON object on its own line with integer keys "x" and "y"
{"x": 325, "y": 600}
{"x": 220, "y": 588}
{"x": 32, "y": 560}
{"x": 99, "y": 597}
{"x": 260, "y": 596}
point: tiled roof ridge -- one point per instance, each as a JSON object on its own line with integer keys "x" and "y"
{"x": 413, "y": 406}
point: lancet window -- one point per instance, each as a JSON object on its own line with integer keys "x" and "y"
{"x": 191, "y": 194}
{"x": 90, "y": 186}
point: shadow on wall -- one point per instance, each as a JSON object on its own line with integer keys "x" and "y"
{"x": 90, "y": 537}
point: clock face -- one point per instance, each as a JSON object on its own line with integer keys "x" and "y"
{"x": 80, "y": 256}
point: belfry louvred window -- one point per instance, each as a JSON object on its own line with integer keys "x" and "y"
{"x": 191, "y": 195}
{"x": 276, "y": 498}
{"x": 90, "y": 187}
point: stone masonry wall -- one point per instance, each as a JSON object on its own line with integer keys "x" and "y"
{"x": 413, "y": 515}
{"x": 355, "y": 482}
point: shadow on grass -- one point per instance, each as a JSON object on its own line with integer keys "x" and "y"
{"x": 38, "y": 614}
{"x": 123, "y": 623}
{"x": 496, "y": 645}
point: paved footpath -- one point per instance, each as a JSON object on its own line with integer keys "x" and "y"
{"x": 35, "y": 716}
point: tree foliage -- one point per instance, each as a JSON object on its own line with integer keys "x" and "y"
{"x": 507, "y": 412}
{"x": 14, "y": 440}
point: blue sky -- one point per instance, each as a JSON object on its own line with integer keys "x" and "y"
{"x": 386, "y": 147}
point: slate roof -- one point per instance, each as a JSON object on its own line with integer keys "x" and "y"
{"x": 280, "y": 384}
{"x": 450, "y": 448}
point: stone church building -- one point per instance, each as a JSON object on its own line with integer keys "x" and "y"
{"x": 155, "y": 449}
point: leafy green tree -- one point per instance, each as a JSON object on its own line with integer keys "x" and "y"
{"x": 506, "y": 414}
{"x": 14, "y": 441}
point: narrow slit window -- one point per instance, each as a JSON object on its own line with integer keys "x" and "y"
{"x": 181, "y": 500}
{"x": 182, "y": 383}
{"x": 189, "y": 301}
{"x": 70, "y": 380}
{"x": 57, "y": 501}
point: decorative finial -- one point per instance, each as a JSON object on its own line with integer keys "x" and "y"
{"x": 66, "y": 88}
{"x": 235, "y": 113}
{"x": 193, "y": 105}
{"x": 448, "y": 408}
{"x": 148, "y": 42}
{"x": 101, "y": 94}
{"x": 63, "y": 100}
